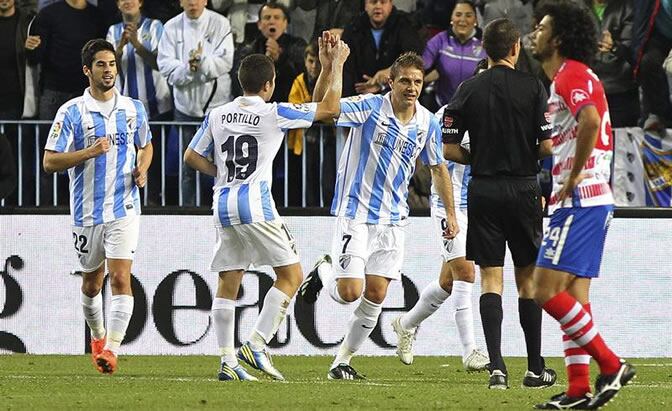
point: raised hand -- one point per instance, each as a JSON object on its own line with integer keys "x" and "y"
{"x": 325, "y": 45}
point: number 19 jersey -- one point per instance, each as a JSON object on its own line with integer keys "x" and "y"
{"x": 243, "y": 137}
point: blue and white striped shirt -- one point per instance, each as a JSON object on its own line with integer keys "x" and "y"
{"x": 137, "y": 79}
{"x": 379, "y": 158}
{"x": 102, "y": 189}
{"x": 244, "y": 136}
{"x": 460, "y": 175}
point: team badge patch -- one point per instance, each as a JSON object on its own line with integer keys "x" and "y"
{"x": 344, "y": 261}
{"x": 547, "y": 116}
{"x": 448, "y": 121}
{"x": 301, "y": 107}
{"x": 56, "y": 130}
{"x": 578, "y": 96}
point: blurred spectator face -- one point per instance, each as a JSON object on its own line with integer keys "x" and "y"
{"x": 312, "y": 65}
{"x": 103, "y": 71}
{"x": 407, "y": 85}
{"x": 378, "y": 11}
{"x": 463, "y": 20}
{"x": 272, "y": 22}
{"x": 6, "y": 5}
{"x": 193, "y": 8}
{"x": 129, "y": 7}
{"x": 542, "y": 39}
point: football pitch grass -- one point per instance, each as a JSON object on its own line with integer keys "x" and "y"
{"x": 190, "y": 383}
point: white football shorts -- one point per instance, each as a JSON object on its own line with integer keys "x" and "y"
{"x": 456, "y": 247}
{"x": 262, "y": 243}
{"x": 359, "y": 248}
{"x": 117, "y": 239}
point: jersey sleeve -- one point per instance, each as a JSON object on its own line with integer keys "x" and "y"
{"x": 453, "y": 121}
{"x": 61, "y": 134}
{"x": 203, "y": 141}
{"x": 291, "y": 116}
{"x": 143, "y": 135}
{"x": 356, "y": 110}
{"x": 542, "y": 116}
{"x": 432, "y": 152}
{"x": 577, "y": 88}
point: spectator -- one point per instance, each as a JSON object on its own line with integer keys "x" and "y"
{"x": 332, "y": 15}
{"x": 518, "y": 11}
{"x": 285, "y": 50}
{"x": 302, "y": 92}
{"x": 376, "y": 38}
{"x": 452, "y": 55}
{"x": 652, "y": 40}
{"x": 195, "y": 56}
{"x": 614, "y": 21}
{"x": 136, "y": 41}
{"x": 55, "y": 44}
{"x": 14, "y": 24}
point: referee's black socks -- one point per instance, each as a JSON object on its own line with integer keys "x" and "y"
{"x": 530, "y": 320}
{"x": 491, "y": 318}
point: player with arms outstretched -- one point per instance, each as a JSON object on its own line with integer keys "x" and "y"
{"x": 388, "y": 133}
{"x": 244, "y": 136}
{"x": 95, "y": 137}
{"x": 581, "y": 203}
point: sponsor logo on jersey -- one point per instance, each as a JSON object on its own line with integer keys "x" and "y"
{"x": 344, "y": 261}
{"x": 56, "y": 130}
{"x": 578, "y": 96}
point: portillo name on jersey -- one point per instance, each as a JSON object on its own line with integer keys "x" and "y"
{"x": 242, "y": 118}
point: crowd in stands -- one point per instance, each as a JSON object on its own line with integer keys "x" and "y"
{"x": 180, "y": 59}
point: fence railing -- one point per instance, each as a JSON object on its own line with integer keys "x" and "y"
{"x": 168, "y": 183}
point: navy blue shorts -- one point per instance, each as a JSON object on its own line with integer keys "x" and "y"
{"x": 575, "y": 239}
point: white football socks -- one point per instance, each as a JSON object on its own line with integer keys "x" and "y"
{"x": 464, "y": 315}
{"x": 430, "y": 300}
{"x": 93, "y": 314}
{"x": 360, "y": 326}
{"x": 223, "y": 314}
{"x": 270, "y": 318}
{"x": 120, "y": 315}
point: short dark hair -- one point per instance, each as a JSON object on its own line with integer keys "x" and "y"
{"x": 94, "y": 46}
{"x": 254, "y": 71}
{"x": 469, "y": 2}
{"x": 275, "y": 5}
{"x": 408, "y": 59}
{"x": 574, "y": 27}
{"x": 498, "y": 38}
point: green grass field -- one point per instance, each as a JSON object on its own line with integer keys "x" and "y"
{"x": 189, "y": 382}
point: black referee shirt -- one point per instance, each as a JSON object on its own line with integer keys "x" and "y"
{"x": 505, "y": 113}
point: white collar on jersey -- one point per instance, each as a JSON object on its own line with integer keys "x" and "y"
{"x": 249, "y": 100}
{"x": 92, "y": 104}
{"x": 418, "y": 116}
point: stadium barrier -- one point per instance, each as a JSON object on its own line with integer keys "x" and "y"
{"x": 28, "y": 136}
{"x": 642, "y": 174}
{"x": 40, "y": 299}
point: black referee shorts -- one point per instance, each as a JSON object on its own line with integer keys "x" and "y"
{"x": 504, "y": 210}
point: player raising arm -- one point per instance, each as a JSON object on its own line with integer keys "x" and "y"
{"x": 244, "y": 137}
{"x": 388, "y": 133}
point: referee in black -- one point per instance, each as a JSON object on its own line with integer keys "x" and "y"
{"x": 504, "y": 111}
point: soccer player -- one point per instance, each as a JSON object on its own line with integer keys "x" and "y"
{"x": 388, "y": 133}
{"x": 581, "y": 203}
{"x": 456, "y": 277}
{"x": 244, "y": 136}
{"x": 95, "y": 137}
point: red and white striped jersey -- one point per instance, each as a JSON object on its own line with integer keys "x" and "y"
{"x": 574, "y": 87}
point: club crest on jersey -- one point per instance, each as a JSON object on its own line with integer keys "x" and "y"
{"x": 56, "y": 130}
{"x": 344, "y": 261}
{"x": 578, "y": 96}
